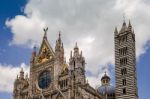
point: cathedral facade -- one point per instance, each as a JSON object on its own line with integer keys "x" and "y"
{"x": 52, "y": 78}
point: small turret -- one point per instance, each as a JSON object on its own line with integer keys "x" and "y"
{"x": 77, "y": 65}
{"x": 77, "y": 60}
{"x": 59, "y": 49}
{"x": 76, "y": 50}
{"x": 21, "y": 73}
{"x": 105, "y": 80}
{"x": 59, "y": 44}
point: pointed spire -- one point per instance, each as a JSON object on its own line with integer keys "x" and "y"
{"x": 59, "y": 38}
{"x": 45, "y": 32}
{"x": 59, "y": 43}
{"x": 116, "y": 31}
{"x": 124, "y": 27}
{"x": 59, "y": 34}
{"x": 130, "y": 26}
{"x": 76, "y": 50}
{"x": 59, "y": 49}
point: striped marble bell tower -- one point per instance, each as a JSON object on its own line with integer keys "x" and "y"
{"x": 125, "y": 63}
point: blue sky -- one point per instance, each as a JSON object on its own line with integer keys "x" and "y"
{"x": 86, "y": 19}
{"x": 8, "y": 10}
{"x": 10, "y": 54}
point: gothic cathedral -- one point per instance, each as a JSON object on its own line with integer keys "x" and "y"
{"x": 52, "y": 78}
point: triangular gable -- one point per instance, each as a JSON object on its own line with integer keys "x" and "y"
{"x": 46, "y": 44}
{"x": 45, "y": 53}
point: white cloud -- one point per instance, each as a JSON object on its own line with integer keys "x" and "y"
{"x": 8, "y": 74}
{"x": 23, "y": 28}
{"x": 89, "y": 22}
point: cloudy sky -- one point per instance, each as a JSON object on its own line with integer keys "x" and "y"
{"x": 91, "y": 23}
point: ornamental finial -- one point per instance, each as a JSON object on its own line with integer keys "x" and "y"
{"x": 45, "y": 31}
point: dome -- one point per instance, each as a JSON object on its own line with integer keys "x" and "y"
{"x": 106, "y": 89}
{"x": 105, "y": 77}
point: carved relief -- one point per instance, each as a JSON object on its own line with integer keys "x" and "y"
{"x": 44, "y": 55}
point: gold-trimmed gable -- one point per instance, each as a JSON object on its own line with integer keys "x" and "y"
{"x": 45, "y": 53}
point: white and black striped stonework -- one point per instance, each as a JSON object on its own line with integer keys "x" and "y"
{"x": 125, "y": 63}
